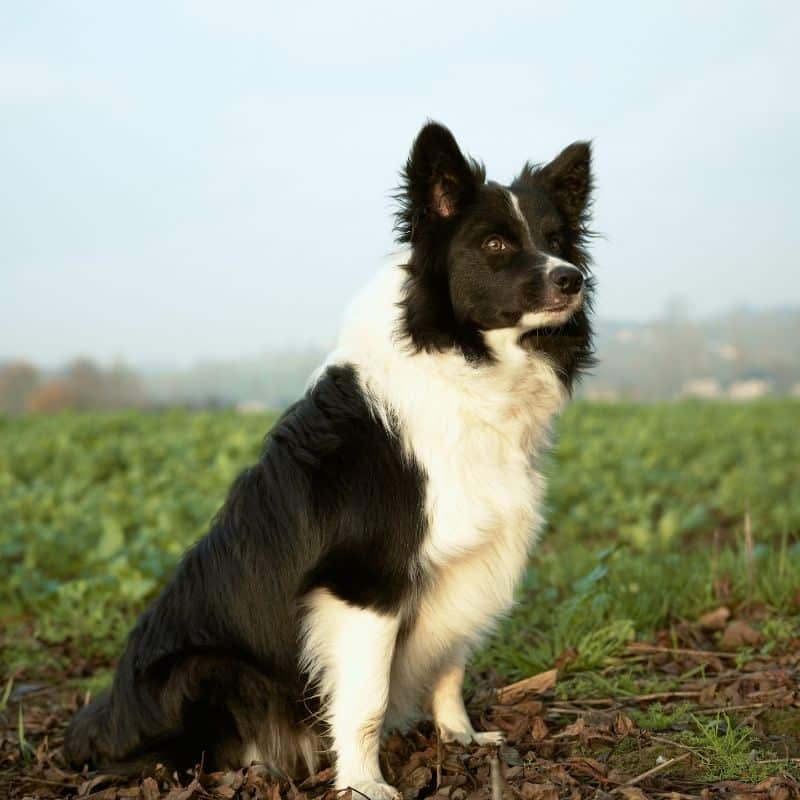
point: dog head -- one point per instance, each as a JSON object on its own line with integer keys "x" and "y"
{"x": 486, "y": 256}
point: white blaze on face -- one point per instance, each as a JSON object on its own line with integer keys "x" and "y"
{"x": 544, "y": 319}
{"x": 518, "y": 213}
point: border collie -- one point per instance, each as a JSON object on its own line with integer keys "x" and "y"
{"x": 352, "y": 570}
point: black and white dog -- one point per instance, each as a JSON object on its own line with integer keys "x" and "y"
{"x": 351, "y": 572}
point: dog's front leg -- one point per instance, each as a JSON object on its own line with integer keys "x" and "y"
{"x": 350, "y": 649}
{"x": 447, "y": 704}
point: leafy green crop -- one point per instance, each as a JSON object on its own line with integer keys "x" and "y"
{"x": 648, "y": 475}
{"x": 95, "y": 511}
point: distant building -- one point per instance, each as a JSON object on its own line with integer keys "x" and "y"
{"x": 703, "y": 388}
{"x": 749, "y": 389}
{"x": 727, "y": 352}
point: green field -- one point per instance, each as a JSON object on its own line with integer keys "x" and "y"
{"x": 657, "y": 515}
{"x": 96, "y": 510}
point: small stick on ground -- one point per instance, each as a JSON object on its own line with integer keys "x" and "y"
{"x": 628, "y": 699}
{"x": 680, "y": 746}
{"x": 726, "y": 709}
{"x": 438, "y": 761}
{"x": 643, "y": 647}
{"x": 654, "y": 771}
{"x": 750, "y": 555}
{"x": 498, "y": 782}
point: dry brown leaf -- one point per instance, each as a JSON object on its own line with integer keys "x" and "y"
{"x": 707, "y": 694}
{"x": 539, "y": 791}
{"x": 186, "y": 793}
{"x": 779, "y": 788}
{"x": 623, "y": 725}
{"x": 632, "y": 793}
{"x": 528, "y": 707}
{"x": 539, "y": 730}
{"x": 575, "y": 729}
{"x": 89, "y": 786}
{"x": 715, "y": 620}
{"x": 150, "y": 789}
{"x": 536, "y": 684}
{"x": 412, "y": 783}
{"x": 739, "y": 634}
{"x": 589, "y": 766}
{"x": 324, "y": 776}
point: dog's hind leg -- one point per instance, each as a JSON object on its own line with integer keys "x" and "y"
{"x": 348, "y": 653}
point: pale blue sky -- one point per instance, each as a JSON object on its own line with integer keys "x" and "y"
{"x": 210, "y": 179}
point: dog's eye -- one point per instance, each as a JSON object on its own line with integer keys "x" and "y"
{"x": 554, "y": 243}
{"x": 495, "y": 244}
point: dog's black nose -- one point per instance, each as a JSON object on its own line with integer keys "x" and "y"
{"x": 568, "y": 279}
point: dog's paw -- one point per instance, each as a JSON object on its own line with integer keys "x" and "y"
{"x": 374, "y": 790}
{"x": 489, "y": 737}
{"x": 472, "y": 737}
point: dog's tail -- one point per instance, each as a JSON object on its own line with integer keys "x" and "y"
{"x": 88, "y": 734}
{"x": 89, "y": 739}
{"x": 94, "y": 739}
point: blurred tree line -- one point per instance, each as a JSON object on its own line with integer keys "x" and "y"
{"x": 739, "y": 354}
{"x": 81, "y": 386}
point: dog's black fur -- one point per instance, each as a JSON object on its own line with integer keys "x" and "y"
{"x": 334, "y": 500}
{"x": 213, "y": 663}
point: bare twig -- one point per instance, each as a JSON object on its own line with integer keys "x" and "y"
{"x": 634, "y": 698}
{"x": 680, "y": 746}
{"x": 643, "y": 647}
{"x": 500, "y": 788}
{"x": 725, "y": 709}
{"x": 749, "y": 555}
{"x": 654, "y": 771}
{"x": 438, "y": 760}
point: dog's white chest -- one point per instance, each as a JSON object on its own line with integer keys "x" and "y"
{"x": 481, "y": 489}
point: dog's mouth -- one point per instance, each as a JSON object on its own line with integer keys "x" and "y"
{"x": 551, "y": 316}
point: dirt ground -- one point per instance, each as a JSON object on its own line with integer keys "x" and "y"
{"x": 728, "y": 727}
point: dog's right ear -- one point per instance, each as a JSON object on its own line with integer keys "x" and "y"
{"x": 438, "y": 183}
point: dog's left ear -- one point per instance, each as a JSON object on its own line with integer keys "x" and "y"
{"x": 438, "y": 183}
{"x": 567, "y": 179}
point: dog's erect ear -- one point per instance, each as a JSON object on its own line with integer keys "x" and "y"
{"x": 438, "y": 182}
{"x": 567, "y": 179}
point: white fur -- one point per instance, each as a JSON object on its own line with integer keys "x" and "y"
{"x": 447, "y": 705}
{"x": 518, "y": 213}
{"x": 476, "y": 432}
{"x": 543, "y": 319}
{"x": 348, "y": 653}
{"x": 274, "y": 755}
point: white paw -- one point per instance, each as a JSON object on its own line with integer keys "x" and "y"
{"x": 374, "y": 790}
{"x": 489, "y": 737}
{"x": 472, "y": 737}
